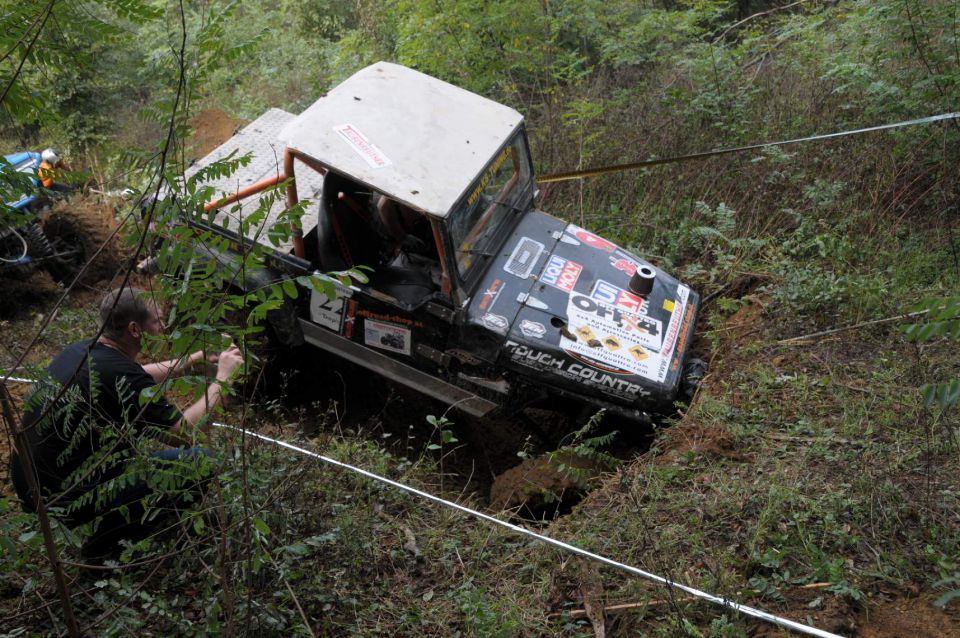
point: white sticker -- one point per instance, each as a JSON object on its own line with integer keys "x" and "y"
{"x": 386, "y": 336}
{"x": 326, "y": 312}
{"x": 524, "y": 257}
{"x": 363, "y": 147}
{"x": 620, "y": 340}
{"x": 532, "y": 329}
{"x": 673, "y": 329}
{"x": 497, "y": 323}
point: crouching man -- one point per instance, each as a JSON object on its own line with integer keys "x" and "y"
{"x": 86, "y": 445}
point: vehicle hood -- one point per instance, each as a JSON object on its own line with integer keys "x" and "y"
{"x": 559, "y": 298}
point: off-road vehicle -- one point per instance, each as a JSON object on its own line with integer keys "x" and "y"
{"x": 40, "y": 229}
{"x": 475, "y": 297}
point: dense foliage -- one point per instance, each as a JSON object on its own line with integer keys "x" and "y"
{"x": 808, "y": 236}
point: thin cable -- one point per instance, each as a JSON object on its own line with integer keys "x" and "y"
{"x": 719, "y": 600}
{"x": 25, "y": 249}
{"x": 603, "y": 170}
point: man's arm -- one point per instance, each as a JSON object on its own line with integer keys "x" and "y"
{"x": 228, "y": 363}
{"x": 163, "y": 370}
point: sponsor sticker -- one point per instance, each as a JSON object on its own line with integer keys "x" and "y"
{"x": 490, "y": 295}
{"x": 532, "y": 329}
{"x": 607, "y": 293}
{"x": 673, "y": 328}
{"x": 351, "y": 319}
{"x": 362, "y": 146}
{"x": 524, "y": 257}
{"x": 624, "y": 265}
{"x": 327, "y": 312}
{"x": 621, "y": 341}
{"x": 497, "y": 323}
{"x": 590, "y": 239}
{"x": 561, "y": 273}
{"x": 386, "y": 336}
{"x": 380, "y": 316}
{"x": 682, "y": 341}
{"x": 573, "y": 370}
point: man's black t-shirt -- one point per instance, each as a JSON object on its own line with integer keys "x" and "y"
{"x": 86, "y": 438}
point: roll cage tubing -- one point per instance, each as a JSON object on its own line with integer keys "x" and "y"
{"x": 289, "y": 155}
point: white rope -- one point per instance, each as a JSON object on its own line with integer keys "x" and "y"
{"x": 573, "y": 549}
{"x": 719, "y": 600}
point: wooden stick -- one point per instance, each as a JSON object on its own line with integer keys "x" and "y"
{"x": 613, "y": 609}
{"x": 26, "y": 458}
{"x": 794, "y": 340}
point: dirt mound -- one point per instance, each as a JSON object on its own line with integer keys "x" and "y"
{"x": 544, "y": 485}
{"x": 914, "y": 617}
{"x": 211, "y": 128}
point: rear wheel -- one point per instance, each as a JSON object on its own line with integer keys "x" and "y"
{"x": 78, "y": 234}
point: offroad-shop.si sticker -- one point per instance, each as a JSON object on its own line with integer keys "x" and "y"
{"x": 386, "y": 336}
{"x": 490, "y": 295}
{"x": 524, "y": 257}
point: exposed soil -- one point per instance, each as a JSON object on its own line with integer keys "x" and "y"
{"x": 210, "y": 129}
{"x": 909, "y": 617}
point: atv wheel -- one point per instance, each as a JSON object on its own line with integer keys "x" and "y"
{"x": 77, "y": 231}
{"x": 12, "y": 247}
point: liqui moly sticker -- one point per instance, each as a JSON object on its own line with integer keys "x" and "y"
{"x": 615, "y": 296}
{"x": 590, "y": 239}
{"x": 362, "y": 146}
{"x": 561, "y": 273}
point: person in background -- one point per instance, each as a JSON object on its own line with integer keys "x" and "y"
{"x": 51, "y": 170}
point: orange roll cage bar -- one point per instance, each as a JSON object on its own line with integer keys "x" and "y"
{"x": 289, "y": 154}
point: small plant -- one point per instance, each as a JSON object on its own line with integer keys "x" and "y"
{"x": 942, "y": 322}
{"x": 584, "y": 447}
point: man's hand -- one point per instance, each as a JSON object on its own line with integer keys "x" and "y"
{"x": 228, "y": 362}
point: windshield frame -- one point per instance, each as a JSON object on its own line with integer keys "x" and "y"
{"x": 520, "y": 190}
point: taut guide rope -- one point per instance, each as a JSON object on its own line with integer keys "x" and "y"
{"x": 603, "y": 170}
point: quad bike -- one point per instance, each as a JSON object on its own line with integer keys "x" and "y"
{"x": 42, "y": 229}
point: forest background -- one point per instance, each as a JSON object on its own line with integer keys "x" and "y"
{"x": 809, "y": 477}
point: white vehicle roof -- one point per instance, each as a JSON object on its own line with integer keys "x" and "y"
{"x": 412, "y": 137}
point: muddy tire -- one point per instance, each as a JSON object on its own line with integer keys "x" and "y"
{"x": 77, "y": 230}
{"x": 11, "y": 247}
{"x": 542, "y": 486}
